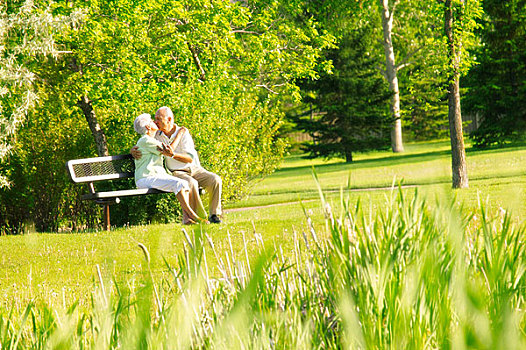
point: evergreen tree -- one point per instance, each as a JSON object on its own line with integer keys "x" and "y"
{"x": 350, "y": 107}
{"x": 497, "y": 85}
{"x": 423, "y": 86}
{"x": 422, "y": 94}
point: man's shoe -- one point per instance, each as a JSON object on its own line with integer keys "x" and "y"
{"x": 214, "y": 219}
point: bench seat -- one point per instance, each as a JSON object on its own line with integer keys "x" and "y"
{"x": 121, "y": 193}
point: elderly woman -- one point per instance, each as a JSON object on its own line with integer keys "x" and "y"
{"x": 149, "y": 169}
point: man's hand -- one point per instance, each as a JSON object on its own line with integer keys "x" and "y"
{"x": 166, "y": 151}
{"x": 135, "y": 152}
{"x": 169, "y": 152}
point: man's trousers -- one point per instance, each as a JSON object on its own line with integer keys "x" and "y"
{"x": 199, "y": 177}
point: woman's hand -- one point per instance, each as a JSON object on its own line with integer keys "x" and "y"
{"x": 134, "y": 151}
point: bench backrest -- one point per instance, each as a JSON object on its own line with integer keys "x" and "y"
{"x": 101, "y": 168}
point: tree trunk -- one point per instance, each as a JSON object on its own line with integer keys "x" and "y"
{"x": 458, "y": 152}
{"x": 390, "y": 75}
{"x": 348, "y": 156}
{"x": 100, "y": 138}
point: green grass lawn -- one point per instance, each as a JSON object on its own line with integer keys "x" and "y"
{"x": 497, "y": 173}
{"x": 61, "y": 268}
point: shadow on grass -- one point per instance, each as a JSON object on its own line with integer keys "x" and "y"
{"x": 368, "y": 163}
{"x": 440, "y": 181}
{"x": 394, "y": 159}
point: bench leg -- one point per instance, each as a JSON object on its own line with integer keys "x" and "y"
{"x": 107, "y": 217}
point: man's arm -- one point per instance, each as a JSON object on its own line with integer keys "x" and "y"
{"x": 168, "y": 152}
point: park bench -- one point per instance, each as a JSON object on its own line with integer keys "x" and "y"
{"x": 90, "y": 170}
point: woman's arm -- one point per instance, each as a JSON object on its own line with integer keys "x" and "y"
{"x": 178, "y": 137}
{"x": 148, "y": 144}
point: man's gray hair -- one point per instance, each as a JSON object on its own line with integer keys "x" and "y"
{"x": 164, "y": 111}
{"x": 140, "y": 123}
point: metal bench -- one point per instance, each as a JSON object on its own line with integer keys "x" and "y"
{"x": 106, "y": 168}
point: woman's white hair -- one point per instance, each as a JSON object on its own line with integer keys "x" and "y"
{"x": 140, "y": 123}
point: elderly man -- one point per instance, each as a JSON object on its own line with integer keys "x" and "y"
{"x": 185, "y": 165}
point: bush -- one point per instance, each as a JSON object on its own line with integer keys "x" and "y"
{"x": 234, "y": 134}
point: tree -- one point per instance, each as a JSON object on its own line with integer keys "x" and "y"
{"x": 414, "y": 56}
{"x": 407, "y": 33}
{"x": 458, "y": 153}
{"x": 134, "y": 56}
{"x": 423, "y": 95}
{"x": 497, "y": 85}
{"x": 423, "y": 86}
{"x": 387, "y": 11}
{"x": 25, "y": 31}
{"x": 350, "y": 103}
{"x": 221, "y": 67}
{"x": 459, "y": 23}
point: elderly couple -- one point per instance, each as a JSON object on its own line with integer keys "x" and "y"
{"x": 164, "y": 137}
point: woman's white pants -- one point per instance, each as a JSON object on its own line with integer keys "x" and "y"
{"x": 166, "y": 183}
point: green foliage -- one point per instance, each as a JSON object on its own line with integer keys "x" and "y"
{"x": 422, "y": 61}
{"x": 497, "y": 85}
{"x": 26, "y": 31}
{"x": 46, "y": 141}
{"x": 420, "y": 55}
{"x": 219, "y": 65}
{"x": 423, "y": 96}
{"x": 15, "y": 200}
{"x": 467, "y": 14}
{"x": 350, "y": 104}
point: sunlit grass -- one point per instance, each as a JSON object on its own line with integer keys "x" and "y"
{"x": 60, "y": 268}
{"x": 399, "y": 273}
{"x": 57, "y": 270}
{"x": 497, "y": 173}
{"x": 429, "y": 165}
